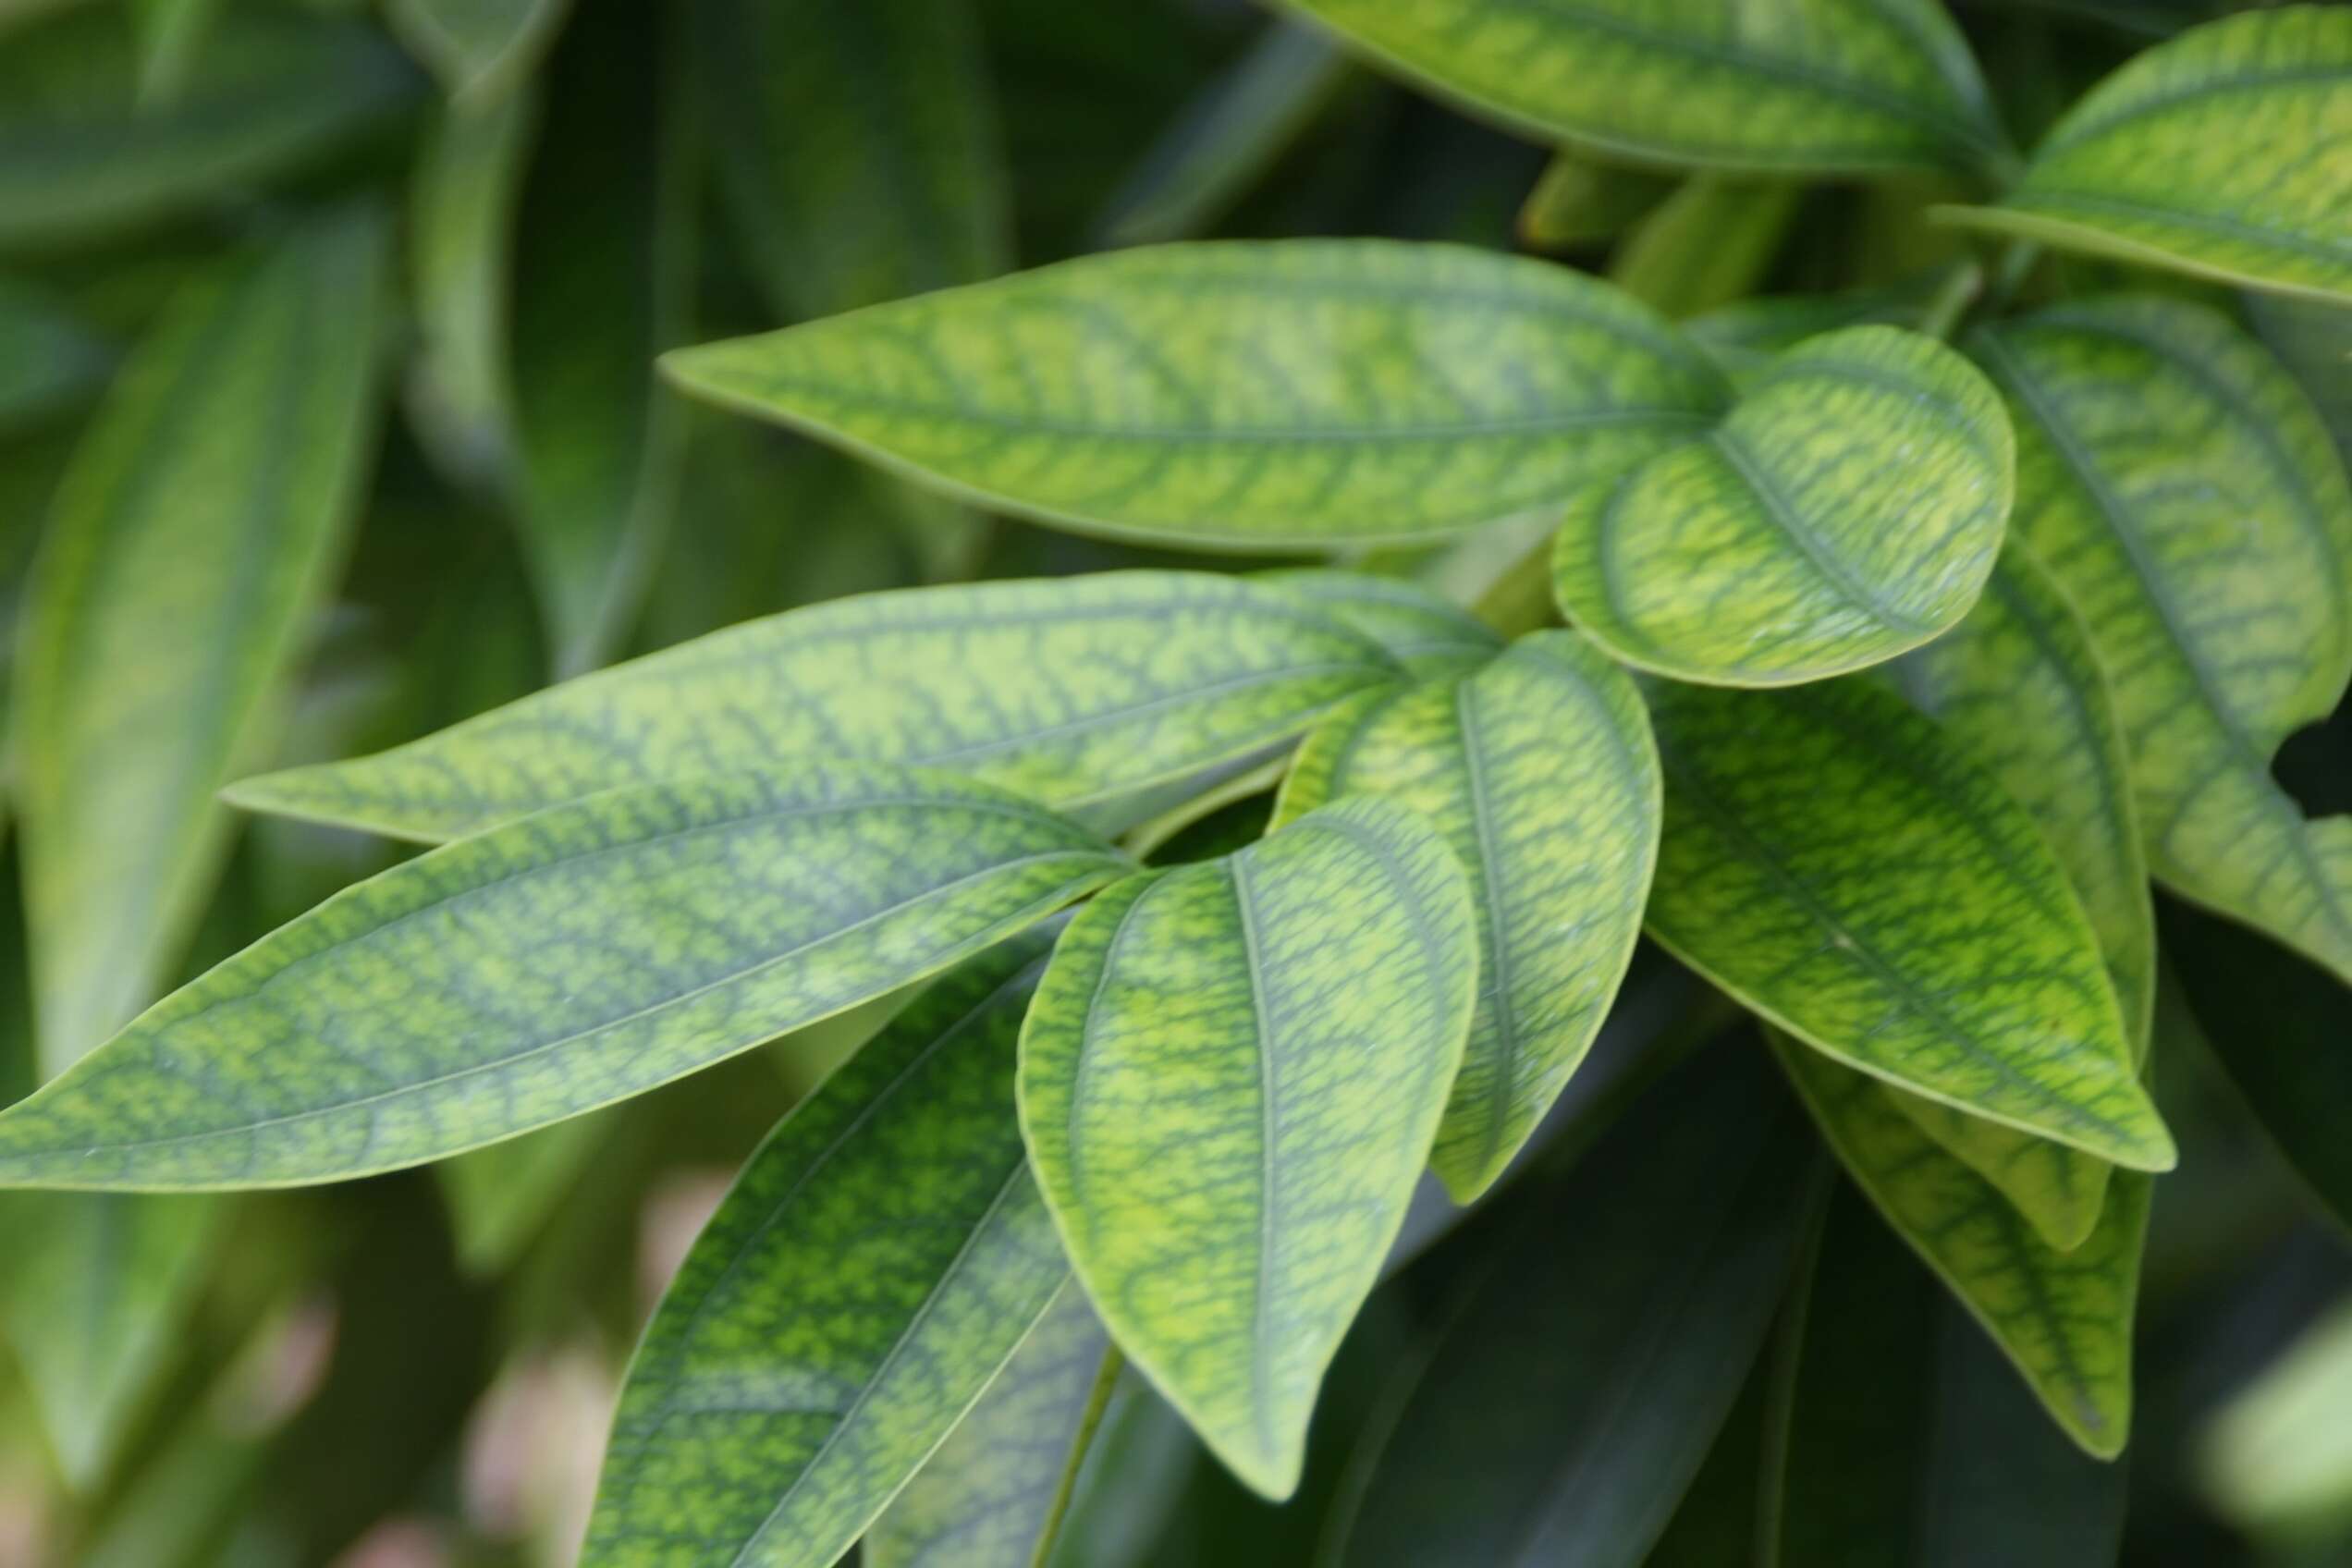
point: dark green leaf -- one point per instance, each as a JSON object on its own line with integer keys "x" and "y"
{"x": 482, "y": 50}
{"x": 49, "y": 358}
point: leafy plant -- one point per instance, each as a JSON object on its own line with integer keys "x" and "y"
{"x": 1209, "y": 992}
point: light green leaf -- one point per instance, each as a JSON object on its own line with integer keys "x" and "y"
{"x": 1294, "y": 395}
{"x": 271, "y": 90}
{"x": 1813, "y": 86}
{"x": 2218, "y": 153}
{"x": 482, "y": 50}
{"x": 2314, "y": 342}
{"x": 49, "y": 358}
{"x": 1423, "y": 631}
{"x": 1572, "y": 1395}
{"x": 171, "y": 35}
{"x": 199, "y": 523}
{"x": 1840, "y": 866}
{"x": 1079, "y": 692}
{"x": 1228, "y": 1085}
{"x": 2063, "y": 1319}
{"x": 1579, "y": 200}
{"x": 1539, "y": 770}
{"x": 983, "y": 1500}
{"x": 878, "y": 1260}
{"x": 2177, "y": 484}
{"x": 2276, "y": 1460}
{"x": 542, "y": 969}
{"x": 1849, "y": 508}
{"x": 1708, "y": 244}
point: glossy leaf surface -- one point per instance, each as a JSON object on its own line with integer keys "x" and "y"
{"x": 878, "y": 1260}
{"x": 1423, "y": 631}
{"x": 1539, "y": 770}
{"x": 1230, "y": 1082}
{"x": 482, "y": 50}
{"x": 548, "y": 967}
{"x": 2176, "y": 483}
{"x": 1239, "y": 396}
{"x": 1840, "y": 866}
{"x": 1787, "y": 544}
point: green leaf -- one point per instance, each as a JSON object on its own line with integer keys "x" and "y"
{"x": 1423, "y": 631}
{"x": 983, "y": 1500}
{"x": 1078, "y": 691}
{"x": 1708, "y": 244}
{"x": 1903, "y": 1438}
{"x": 1229, "y": 1084}
{"x": 1579, "y": 200}
{"x": 1785, "y": 545}
{"x": 542, "y": 969}
{"x": 1811, "y": 86}
{"x": 1539, "y": 770}
{"x": 1747, "y": 337}
{"x": 198, "y": 527}
{"x": 499, "y": 1195}
{"x": 482, "y": 50}
{"x": 2063, "y": 1319}
{"x": 1574, "y": 1392}
{"x": 1294, "y": 395}
{"x": 1843, "y": 868}
{"x": 171, "y": 35}
{"x": 2177, "y": 484}
{"x": 2216, "y": 155}
{"x": 272, "y": 89}
{"x": 50, "y": 359}
{"x": 2276, "y": 1460}
{"x": 878, "y": 1260}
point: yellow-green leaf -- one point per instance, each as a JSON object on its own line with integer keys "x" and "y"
{"x": 1849, "y": 508}
{"x": 1228, "y": 1083}
{"x": 1580, "y": 200}
{"x": 1539, "y": 770}
{"x": 2176, "y": 483}
{"x": 1708, "y": 244}
{"x": 482, "y": 50}
{"x": 1836, "y": 862}
{"x": 1294, "y": 395}
{"x": 1423, "y": 631}
{"x": 542, "y": 969}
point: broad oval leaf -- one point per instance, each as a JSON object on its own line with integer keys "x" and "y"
{"x": 189, "y": 541}
{"x": 1230, "y": 1082}
{"x": 1837, "y": 864}
{"x": 1423, "y": 632}
{"x": 1814, "y": 86}
{"x": 1849, "y": 508}
{"x": 1539, "y": 769}
{"x": 2176, "y": 483}
{"x": 1293, "y": 395}
{"x": 2218, "y": 153}
{"x": 1079, "y": 692}
{"x": 878, "y": 1260}
{"x": 540, "y": 970}
{"x": 482, "y": 50}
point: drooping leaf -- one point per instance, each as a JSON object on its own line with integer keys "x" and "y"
{"x": 1423, "y": 631}
{"x": 1539, "y": 770}
{"x": 482, "y": 50}
{"x": 2063, "y": 1319}
{"x": 878, "y": 1260}
{"x": 1581, "y": 200}
{"x": 1708, "y": 244}
{"x": 1849, "y": 508}
{"x": 2218, "y": 153}
{"x": 1568, "y": 1400}
{"x": 1839, "y": 865}
{"x": 1275, "y": 396}
{"x": 1077, "y": 691}
{"x": 49, "y": 358}
{"x": 197, "y": 528}
{"x": 1816, "y": 86}
{"x": 542, "y": 969}
{"x": 1229, "y": 1082}
{"x": 1903, "y": 1438}
{"x": 2176, "y": 484}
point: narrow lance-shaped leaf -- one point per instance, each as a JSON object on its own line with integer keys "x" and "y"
{"x": 1422, "y": 631}
{"x": 2177, "y": 484}
{"x": 1814, "y": 86}
{"x": 878, "y": 1260}
{"x": 49, "y": 359}
{"x": 1228, "y": 1085}
{"x": 2218, "y": 153}
{"x": 1580, "y": 200}
{"x": 545, "y": 968}
{"x": 1837, "y": 864}
{"x": 1849, "y": 508}
{"x": 1294, "y": 395}
{"x": 190, "y": 539}
{"x": 482, "y": 50}
{"x": 1708, "y": 244}
{"x": 1539, "y": 770}
{"x": 1078, "y": 691}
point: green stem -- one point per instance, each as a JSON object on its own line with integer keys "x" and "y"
{"x": 1098, "y": 1401}
{"x": 1961, "y": 288}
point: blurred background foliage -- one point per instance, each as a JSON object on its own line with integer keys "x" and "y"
{"x": 501, "y": 211}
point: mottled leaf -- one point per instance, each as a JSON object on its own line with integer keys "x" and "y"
{"x": 1817, "y": 86}
{"x": 1423, "y": 631}
{"x": 50, "y": 358}
{"x": 1229, "y": 1082}
{"x": 1539, "y": 770}
{"x": 1838, "y": 864}
{"x": 2218, "y": 153}
{"x": 1708, "y": 244}
{"x": 878, "y": 1260}
{"x": 1239, "y": 396}
{"x": 2177, "y": 484}
{"x": 1848, "y": 508}
{"x": 482, "y": 50}
{"x": 542, "y": 969}
{"x": 189, "y": 541}
{"x": 1748, "y": 337}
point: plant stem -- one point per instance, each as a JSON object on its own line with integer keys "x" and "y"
{"x": 1098, "y": 1401}
{"x": 1960, "y": 289}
